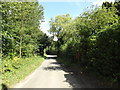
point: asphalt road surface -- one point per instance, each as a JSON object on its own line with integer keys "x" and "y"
{"x": 50, "y": 75}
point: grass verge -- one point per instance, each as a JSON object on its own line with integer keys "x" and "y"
{"x": 17, "y": 69}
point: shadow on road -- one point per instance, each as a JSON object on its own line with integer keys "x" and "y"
{"x": 70, "y": 76}
{"x": 55, "y": 63}
{"x": 53, "y": 68}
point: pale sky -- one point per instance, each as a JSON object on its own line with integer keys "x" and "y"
{"x": 53, "y": 8}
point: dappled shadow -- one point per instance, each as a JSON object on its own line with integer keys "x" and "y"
{"x": 72, "y": 81}
{"x": 53, "y": 68}
{"x": 71, "y": 77}
{"x": 55, "y": 63}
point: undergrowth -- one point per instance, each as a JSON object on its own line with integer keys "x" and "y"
{"x": 15, "y": 70}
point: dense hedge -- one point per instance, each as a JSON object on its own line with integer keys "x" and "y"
{"x": 91, "y": 40}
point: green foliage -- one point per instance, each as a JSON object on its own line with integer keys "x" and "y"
{"x": 51, "y": 50}
{"x": 21, "y": 35}
{"x": 108, "y": 56}
{"x": 16, "y": 69}
{"x": 21, "y": 39}
{"x": 91, "y": 40}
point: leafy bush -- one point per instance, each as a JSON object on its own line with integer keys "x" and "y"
{"x": 91, "y": 40}
{"x": 51, "y": 50}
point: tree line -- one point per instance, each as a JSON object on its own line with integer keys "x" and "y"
{"x": 91, "y": 40}
{"x": 21, "y": 36}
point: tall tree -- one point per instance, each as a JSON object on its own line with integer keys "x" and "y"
{"x": 20, "y": 28}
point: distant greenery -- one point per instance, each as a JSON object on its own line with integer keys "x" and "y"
{"x": 91, "y": 40}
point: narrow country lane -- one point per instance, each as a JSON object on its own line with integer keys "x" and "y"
{"x": 50, "y": 75}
